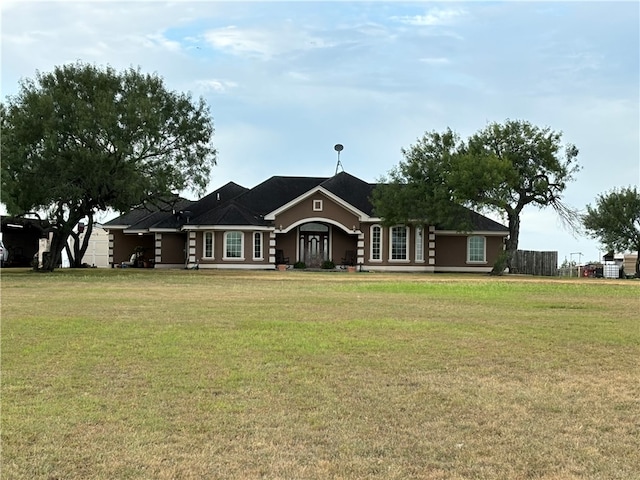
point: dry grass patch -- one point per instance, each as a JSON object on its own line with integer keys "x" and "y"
{"x": 297, "y": 375}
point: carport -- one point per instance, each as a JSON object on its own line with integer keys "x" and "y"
{"x": 21, "y": 237}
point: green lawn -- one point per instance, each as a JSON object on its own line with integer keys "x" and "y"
{"x": 150, "y": 374}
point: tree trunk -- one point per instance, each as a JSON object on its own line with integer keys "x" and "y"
{"x": 70, "y": 255}
{"x": 52, "y": 260}
{"x": 512, "y": 241}
{"x": 79, "y": 249}
{"x": 85, "y": 241}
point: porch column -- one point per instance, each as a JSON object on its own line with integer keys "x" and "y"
{"x": 360, "y": 252}
{"x": 158, "y": 252}
{"x": 272, "y": 247}
{"x": 192, "y": 247}
{"x": 111, "y": 249}
{"x": 432, "y": 245}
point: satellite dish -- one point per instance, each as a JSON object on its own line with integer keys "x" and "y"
{"x": 338, "y": 148}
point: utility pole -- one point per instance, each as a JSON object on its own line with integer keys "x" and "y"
{"x": 579, "y": 259}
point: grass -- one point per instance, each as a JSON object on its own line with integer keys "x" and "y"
{"x": 294, "y": 375}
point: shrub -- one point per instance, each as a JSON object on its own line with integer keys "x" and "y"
{"x": 300, "y": 265}
{"x": 328, "y": 265}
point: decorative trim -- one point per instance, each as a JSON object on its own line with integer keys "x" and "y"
{"x": 468, "y": 269}
{"x": 236, "y": 266}
{"x": 466, "y": 234}
{"x": 398, "y": 268}
{"x": 360, "y": 214}
{"x": 330, "y": 221}
{"x": 158, "y": 251}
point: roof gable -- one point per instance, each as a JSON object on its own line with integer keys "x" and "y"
{"x": 277, "y": 191}
{"x": 352, "y": 190}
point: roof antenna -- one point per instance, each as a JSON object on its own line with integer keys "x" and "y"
{"x": 338, "y": 148}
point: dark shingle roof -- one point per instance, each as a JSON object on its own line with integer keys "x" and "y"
{"x": 277, "y": 191}
{"x": 472, "y": 220}
{"x": 145, "y": 217}
{"x": 352, "y": 190}
{"x": 233, "y": 204}
{"x": 216, "y": 198}
{"x": 198, "y": 212}
{"x": 231, "y": 213}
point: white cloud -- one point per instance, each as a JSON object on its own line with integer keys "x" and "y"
{"x": 157, "y": 39}
{"x": 432, "y": 18}
{"x": 217, "y": 86}
{"x": 263, "y": 42}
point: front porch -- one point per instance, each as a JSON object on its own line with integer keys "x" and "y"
{"x": 316, "y": 243}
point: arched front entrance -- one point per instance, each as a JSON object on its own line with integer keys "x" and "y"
{"x": 314, "y": 245}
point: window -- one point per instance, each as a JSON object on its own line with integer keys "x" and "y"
{"x": 317, "y": 205}
{"x": 399, "y": 243}
{"x": 233, "y": 245}
{"x": 376, "y": 243}
{"x": 257, "y": 246}
{"x": 208, "y": 245}
{"x": 476, "y": 250}
{"x": 419, "y": 244}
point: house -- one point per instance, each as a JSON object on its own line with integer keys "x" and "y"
{"x": 301, "y": 219}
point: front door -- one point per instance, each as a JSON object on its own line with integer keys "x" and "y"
{"x": 314, "y": 244}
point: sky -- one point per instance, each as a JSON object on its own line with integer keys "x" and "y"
{"x": 287, "y": 81}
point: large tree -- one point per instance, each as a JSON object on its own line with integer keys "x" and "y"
{"x": 82, "y": 139}
{"x": 615, "y": 221}
{"x": 501, "y": 168}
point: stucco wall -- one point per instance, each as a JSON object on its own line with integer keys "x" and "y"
{"x": 342, "y": 242}
{"x": 451, "y": 250}
{"x": 218, "y": 248}
{"x": 172, "y": 250}
{"x": 125, "y": 245}
{"x": 304, "y": 210}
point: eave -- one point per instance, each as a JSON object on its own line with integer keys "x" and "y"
{"x": 363, "y": 217}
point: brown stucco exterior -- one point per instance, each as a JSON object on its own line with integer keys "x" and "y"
{"x": 294, "y": 204}
{"x": 172, "y": 248}
{"x": 451, "y": 251}
{"x": 330, "y": 212}
{"x": 122, "y": 246}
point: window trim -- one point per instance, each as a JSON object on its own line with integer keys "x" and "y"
{"x": 470, "y": 238}
{"x": 225, "y": 246}
{"x": 371, "y": 246}
{"x": 204, "y": 245}
{"x": 317, "y": 205}
{"x": 261, "y": 253}
{"x": 419, "y": 244}
{"x": 407, "y": 245}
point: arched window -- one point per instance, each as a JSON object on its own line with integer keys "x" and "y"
{"x": 376, "y": 243}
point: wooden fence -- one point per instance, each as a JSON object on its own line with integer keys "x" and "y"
{"x": 529, "y": 262}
